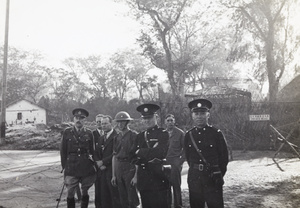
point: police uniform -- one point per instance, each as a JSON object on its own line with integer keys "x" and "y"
{"x": 212, "y": 145}
{"x": 151, "y": 147}
{"x": 77, "y": 159}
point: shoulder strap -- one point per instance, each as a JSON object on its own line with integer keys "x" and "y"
{"x": 197, "y": 149}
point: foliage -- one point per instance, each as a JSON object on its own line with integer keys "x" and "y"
{"x": 178, "y": 38}
{"x": 265, "y": 37}
{"x": 25, "y": 76}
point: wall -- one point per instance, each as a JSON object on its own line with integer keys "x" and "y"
{"x": 30, "y": 113}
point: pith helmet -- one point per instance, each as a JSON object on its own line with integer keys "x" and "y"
{"x": 123, "y": 116}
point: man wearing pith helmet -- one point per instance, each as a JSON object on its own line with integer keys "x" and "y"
{"x": 151, "y": 148}
{"x": 123, "y": 171}
{"x": 77, "y": 158}
{"x": 207, "y": 157}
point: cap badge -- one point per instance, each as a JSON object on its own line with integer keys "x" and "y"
{"x": 146, "y": 109}
{"x": 79, "y": 112}
{"x": 199, "y": 105}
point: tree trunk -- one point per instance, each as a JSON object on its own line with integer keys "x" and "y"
{"x": 271, "y": 66}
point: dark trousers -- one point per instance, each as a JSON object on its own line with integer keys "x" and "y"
{"x": 109, "y": 194}
{"x": 203, "y": 190}
{"x": 97, "y": 190}
{"x": 176, "y": 181}
{"x": 128, "y": 193}
{"x": 155, "y": 198}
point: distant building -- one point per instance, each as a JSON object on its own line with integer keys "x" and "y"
{"x": 291, "y": 91}
{"x": 24, "y": 111}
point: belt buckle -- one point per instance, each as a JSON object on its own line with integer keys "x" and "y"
{"x": 201, "y": 167}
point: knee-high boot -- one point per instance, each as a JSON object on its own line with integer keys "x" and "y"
{"x": 71, "y": 202}
{"x": 85, "y": 201}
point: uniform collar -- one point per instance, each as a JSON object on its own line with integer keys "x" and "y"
{"x": 152, "y": 128}
{"x": 202, "y": 128}
{"x": 79, "y": 130}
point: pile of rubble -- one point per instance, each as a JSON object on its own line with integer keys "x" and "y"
{"x": 33, "y": 137}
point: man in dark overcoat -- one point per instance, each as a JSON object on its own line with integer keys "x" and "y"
{"x": 97, "y": 133}
{"x": 207, "y": 157}
{"x": 109, "y": 194}
{"x": 150, "y": 149}
{"x": 77, "y": 158}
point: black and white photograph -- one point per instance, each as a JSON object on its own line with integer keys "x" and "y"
{"x": 150, "y": 103}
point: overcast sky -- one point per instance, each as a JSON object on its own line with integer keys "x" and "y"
{"x": 59, "y": 29}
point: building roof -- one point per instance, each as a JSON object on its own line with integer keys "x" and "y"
{"x": 291, "y": 91}
{"x": 16, "y": 101}
{"x": 219, "y": 92}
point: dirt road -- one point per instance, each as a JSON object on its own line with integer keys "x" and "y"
{"x": 32, "y": 179}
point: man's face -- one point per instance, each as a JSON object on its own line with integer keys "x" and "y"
{"x": 200, "y": 118}
{"x": 98, "y": 121}
{"x": 122, "y": 125}
{"x": 170, "y": 122}
{"x": 106, "y": 124}
{"x": 150, "y": 122}
{"x": 79, "y": 120}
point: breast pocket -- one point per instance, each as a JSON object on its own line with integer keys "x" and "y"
{"x": 210, "y": 149}
{"x": 175, "y": 144}
{"x": 85, "y": 141}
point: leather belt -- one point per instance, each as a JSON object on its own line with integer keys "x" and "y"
{"x": 199, "y": 167}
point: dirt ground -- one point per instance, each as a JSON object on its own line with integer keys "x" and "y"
{"x": 32, "y": 179}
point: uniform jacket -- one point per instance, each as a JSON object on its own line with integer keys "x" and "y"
{"x": 124, "y": 144}
{"x": 211, "y": 143}
{"x": 152, "y": 143}
{"x": 105, "y": 149}
{"x": 176, "y": 144}
{"x": 77, "y": 152}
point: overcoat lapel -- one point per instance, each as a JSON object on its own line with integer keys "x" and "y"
{"x": 109, "y": 139}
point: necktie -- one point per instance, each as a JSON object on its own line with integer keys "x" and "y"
{"x": 105, "y": 137}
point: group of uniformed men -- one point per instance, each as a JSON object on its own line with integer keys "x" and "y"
{"x": 129, "y": 167}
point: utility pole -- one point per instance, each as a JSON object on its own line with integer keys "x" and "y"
{"x": 3, "y": 102}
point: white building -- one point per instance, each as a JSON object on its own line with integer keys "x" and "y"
{"x": 24, "y": 111}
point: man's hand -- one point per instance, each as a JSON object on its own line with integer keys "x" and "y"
{"x": 103, "y": 167}
{"x": 114, "y": 181}
{"x": 133, "y": 181}
{"x": 99, "y": 163}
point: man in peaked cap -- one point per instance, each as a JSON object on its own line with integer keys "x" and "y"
{"x": 207, "y": 157}
{"x": 77, "y": 158}
{"x": 150, "y": 149}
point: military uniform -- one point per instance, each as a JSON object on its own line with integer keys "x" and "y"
{"x": 154, "y": 188}
{"x": 124, "y": 169}
{"x": 77, "y": 159}
{"x": 175, "y": 158}
{"x": 212, "y": 145}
